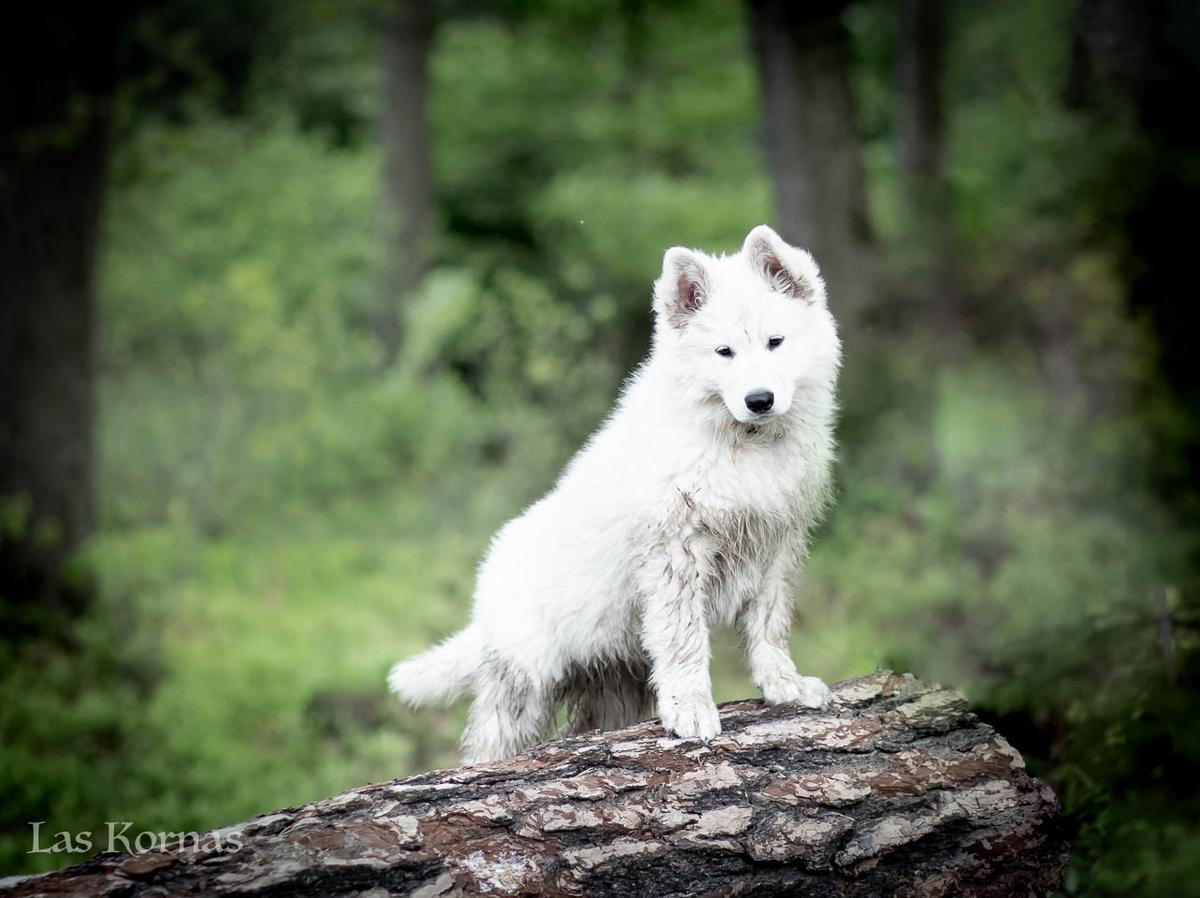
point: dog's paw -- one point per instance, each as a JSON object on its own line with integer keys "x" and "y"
{"x": 793, "y": 689}
{"x": 692, "y": 717}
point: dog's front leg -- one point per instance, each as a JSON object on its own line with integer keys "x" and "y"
{"x": 766, "y": 623}
{"x": 674, "y": 633}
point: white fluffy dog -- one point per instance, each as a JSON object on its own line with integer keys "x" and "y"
{"x": 690, "y": 507}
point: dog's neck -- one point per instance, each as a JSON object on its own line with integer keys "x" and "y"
{"x": 768, "y": 432}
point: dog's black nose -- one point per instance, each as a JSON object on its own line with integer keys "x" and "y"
{"x": 759, "y": 401}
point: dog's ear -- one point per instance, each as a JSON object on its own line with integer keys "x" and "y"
{"x": 788, "y": 269}
{"x": 682, "y": 288}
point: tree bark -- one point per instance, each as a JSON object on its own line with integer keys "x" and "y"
{"x": 896, "y": 789}
{"x": 53, "y": 162}
{"x": 813, "y": 149}
{"x": 407, "y": 207}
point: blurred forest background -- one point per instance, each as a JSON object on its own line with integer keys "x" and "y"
{"x": 301, "y": 300}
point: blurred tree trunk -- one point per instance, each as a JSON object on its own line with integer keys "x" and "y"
{"x": 813, "y": 148}
{"x": 54, "y": 117}
{"x": 1134, "y": 69}
{"x": 407, "y": 207}
{"x": 922, "y": 60}
{"x": 922, "y": 129}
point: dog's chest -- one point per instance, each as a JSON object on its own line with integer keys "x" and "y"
{"x": 748, "y": 486}
{"x": 747, "y": 503}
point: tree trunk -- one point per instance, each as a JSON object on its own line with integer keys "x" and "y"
{"x": 922, "y": 128}
{"x": 896, "y": 789}
{"x": 813, "y": 149}
{"x": 407, "y": 206}
{"x": 1134, "y": 67}
{"x": 922, "y": 61}
{"x": 53, "y": 154}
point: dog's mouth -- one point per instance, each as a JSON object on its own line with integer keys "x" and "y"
{"x": 744, "y": 417}
{"x": 758, "y": 423}
{"x": 755, "y": 419}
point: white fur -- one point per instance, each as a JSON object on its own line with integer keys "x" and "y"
{"x": 683, "y": 510}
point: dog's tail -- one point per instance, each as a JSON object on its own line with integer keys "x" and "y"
{"x": 440, "y": 675}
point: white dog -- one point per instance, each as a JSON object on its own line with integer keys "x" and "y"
{"x": 690, "y": 507}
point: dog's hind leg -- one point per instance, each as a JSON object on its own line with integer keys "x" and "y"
{"x": 610, "y": 698}
{"x": 508, "y": 715}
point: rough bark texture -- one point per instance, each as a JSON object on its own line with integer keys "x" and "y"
{"x": 407, "y": 192}
{"x": 813, "y": 149}
{"x": 896, "y": 789}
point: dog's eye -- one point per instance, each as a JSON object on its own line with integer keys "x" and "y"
{"x": 725, "y": 351}
{"x": 774, "y": 342}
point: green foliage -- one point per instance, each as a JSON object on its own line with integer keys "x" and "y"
{"x": 280, "y": 520}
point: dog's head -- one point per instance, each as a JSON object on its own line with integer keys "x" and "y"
{"x": 747, "y": 329}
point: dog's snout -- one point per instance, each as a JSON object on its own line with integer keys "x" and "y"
{"x": 759, "y": 401}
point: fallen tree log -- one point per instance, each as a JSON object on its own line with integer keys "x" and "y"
{"x": 896, "y": 789}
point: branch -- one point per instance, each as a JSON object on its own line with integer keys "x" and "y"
{"x": 896, "y": 789}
